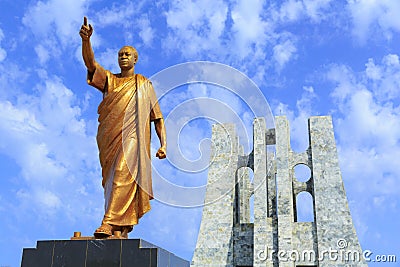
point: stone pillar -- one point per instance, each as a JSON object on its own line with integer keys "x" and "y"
{"x": 263, "y": 236}
{"x": 243, "y": 192}
{"x": 214, "y": 244}
{"x": 334, "y": 226}
{"x": 284, "y": 184}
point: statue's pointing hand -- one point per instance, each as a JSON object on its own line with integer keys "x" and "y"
{"x": 86, "y": 30}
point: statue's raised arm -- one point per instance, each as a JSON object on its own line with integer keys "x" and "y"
{"x": 87, "y": 51}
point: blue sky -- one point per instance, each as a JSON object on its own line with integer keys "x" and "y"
{"x": 308, "y": 57}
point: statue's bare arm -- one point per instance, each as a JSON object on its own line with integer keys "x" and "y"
{"x": 87, "y": 51}
{"x": 162, "y": 135}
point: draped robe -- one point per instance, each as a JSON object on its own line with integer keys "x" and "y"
{"x": 123, "y": 138}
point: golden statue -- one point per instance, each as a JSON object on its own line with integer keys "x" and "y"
{"x": 129, "y": 105}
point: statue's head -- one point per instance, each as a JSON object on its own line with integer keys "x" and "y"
{"x": 127, "y": 57}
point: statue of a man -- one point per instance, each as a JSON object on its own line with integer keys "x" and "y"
{"x": 129, "y": 105}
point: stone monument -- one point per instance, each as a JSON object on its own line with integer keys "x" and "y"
{"x": 275, "y": 238}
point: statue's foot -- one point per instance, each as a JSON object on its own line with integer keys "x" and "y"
{"x": 104, "y": 231}
{"x": 126, "y": 230}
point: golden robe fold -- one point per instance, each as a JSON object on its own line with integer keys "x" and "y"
{"x": 123, "y": 138}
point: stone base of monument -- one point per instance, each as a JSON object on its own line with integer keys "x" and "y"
{"x": 99, "y": 253}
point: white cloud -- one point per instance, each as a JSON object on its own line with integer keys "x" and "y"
{"x": 118, "y": 15}
{"x": 55, "y": 25}
{"x": 55, "y": 19}
{"x": 368, "y": 125}
{"x": 283, "y": 53}
{"x": 46, "y": 137}
{"x": 146, "y": 31}
{"x": 13, "y": 82}
{"x": 48, "y": 199}
{"x": 293, "y": 10}
{"x": 248, "y": 27}
{"x": 317, "y": 9}
{"x": 42, "y": 53}
{"x": 372, "y": 71}
{"x": 239, "y": 33}
{"x": 345, "y": 79}
{"x": 196, "y": 27}
{"x": 3, "y": 53}
{"x": 109, "y": 59}
{"x": 298, "y": 118}
{"x": 384, "y": 78}
{"x": 374, "y": 17}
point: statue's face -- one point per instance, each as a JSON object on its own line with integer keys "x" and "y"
{"x": 126, "y": 58}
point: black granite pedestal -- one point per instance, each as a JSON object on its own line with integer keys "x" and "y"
{"x": 99, "y": 253}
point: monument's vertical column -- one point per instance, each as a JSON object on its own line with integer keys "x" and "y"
{"x": 214, "y": 245}
{"x": 284, "y": 187}
{"x": 243, "y": 180}
{"x": 263, "y": 237}
{"x": 335, "y": 230}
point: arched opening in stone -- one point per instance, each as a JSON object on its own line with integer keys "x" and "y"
{"x": 251, "y": 204}
{"x": 302, "y": 173}
{"x": 299, "y": 141}
{"x": 304, "y": 207}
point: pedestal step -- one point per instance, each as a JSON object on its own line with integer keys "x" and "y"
{"x": 99, "y": 253}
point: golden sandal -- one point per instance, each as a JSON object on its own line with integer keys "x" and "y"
{"x": 103, "y": 231}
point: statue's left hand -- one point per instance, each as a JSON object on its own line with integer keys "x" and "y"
{"x": 161, "y": 153}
